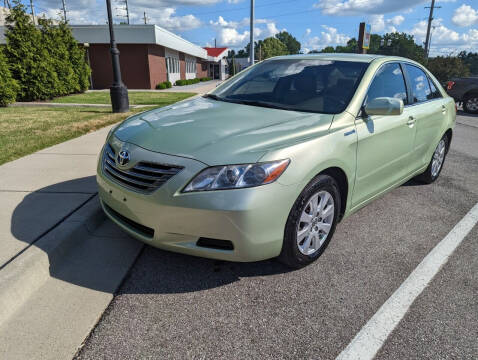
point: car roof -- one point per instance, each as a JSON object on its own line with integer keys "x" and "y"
{"x": 367, "y": 58}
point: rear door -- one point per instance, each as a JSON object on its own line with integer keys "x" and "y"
{"x": 429, "y": 111}
{"x": 385, "y": 142}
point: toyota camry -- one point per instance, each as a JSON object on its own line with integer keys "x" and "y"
{"x": 269, "y": 162}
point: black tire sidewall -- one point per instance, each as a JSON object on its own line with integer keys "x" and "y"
{"x": 427, "y": 175}
{"x": 290, "y": 253}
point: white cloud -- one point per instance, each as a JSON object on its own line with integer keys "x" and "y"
{"x": 236, "y": 33}
{"x": 328, "y": 37}
{"x": 361, "y": 7}
{"x": 465, "y": 15}
{"x": 445, "y": 40}
{"x": 379, "y": 23}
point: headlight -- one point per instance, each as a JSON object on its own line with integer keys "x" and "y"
{"x": 237, "y": 176}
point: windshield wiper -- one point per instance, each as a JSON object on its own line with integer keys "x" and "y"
{"x": 262, "y": 104}
{"x": 214, "y": 96}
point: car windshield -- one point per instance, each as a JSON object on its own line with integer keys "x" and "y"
{"x": 320, "y": 86}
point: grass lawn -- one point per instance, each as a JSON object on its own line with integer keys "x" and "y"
{"x": 135, "y": 98}
{"x": 24, "y": 130}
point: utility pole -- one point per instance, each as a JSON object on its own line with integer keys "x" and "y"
{"x": 251, "y": 47}
{"x": 64, "y": 10}
{"x": 118, "y": 91}
{"x": 430, "y": 19}
{"x": 215, "y": 44}
{"x": 145, "y": 18}
{"x": 33, "y": 11}
{"x": 124, "y": 8}
{"x": 6, "y": 3}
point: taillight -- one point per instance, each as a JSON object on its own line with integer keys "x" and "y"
{"x": 449, "y": 85}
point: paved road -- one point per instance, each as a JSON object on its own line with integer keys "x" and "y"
{"x": 175, "y": 306}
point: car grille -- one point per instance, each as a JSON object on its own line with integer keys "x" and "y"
{"x": 144, "y": 176}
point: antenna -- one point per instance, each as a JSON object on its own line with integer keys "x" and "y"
{"x": 123, "y": 7}
{"x": 145, "y": 18}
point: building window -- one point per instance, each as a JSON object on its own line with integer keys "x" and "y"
{"x": 173, "y": 65}
{"x": 190, "y": 66}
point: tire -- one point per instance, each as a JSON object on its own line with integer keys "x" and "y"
{"x": 470, "y": 104}
{"x": 432, "y": 173}
{"x": 323, "y": 189}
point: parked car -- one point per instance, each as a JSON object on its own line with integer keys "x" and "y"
{"x": 270, "y": 161}
{"x": 464, "y": 91}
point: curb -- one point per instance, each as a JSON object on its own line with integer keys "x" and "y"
{"x": 29, "y": 271}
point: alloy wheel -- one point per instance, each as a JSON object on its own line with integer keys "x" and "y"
{"x": 315, "y": 222}
{"x": 438, "y": 157}
{"x": 472, "y": 104}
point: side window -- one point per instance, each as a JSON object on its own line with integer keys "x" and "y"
{"x": 435, "y": 93}
{"x": 388, "y": 82}
{"x": 419, "y": 84}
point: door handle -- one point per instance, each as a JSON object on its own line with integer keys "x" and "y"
{"x": 443, "y": 109}
{"x": 411, "y": 121}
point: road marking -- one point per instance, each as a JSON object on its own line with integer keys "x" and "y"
{"x": 371, "y": 337}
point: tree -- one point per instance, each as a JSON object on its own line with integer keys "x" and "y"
{"x": 327, "y": 49}
{"x": 28, "y": 57}
{"x": 77, "y": 59}
{"x": 293, "y": 46}
{"x": 8, "y": 85}
{"x": 273, "y": 47}
{"x": 401, "y": 44}
{"x": 470, "y": 60}
{"x": 446, "y": 67}
{"x": 59, "y": 54}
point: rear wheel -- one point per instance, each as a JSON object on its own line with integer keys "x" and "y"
{"x": 436, "y": 163}
{"x": 470, "y": 104}
{"x": 311, "y": 223}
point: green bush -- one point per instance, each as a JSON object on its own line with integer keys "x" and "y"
{"x": 46, "y": 61}
{"x": 205, "y": 79}
{"x": 168, "y": 84}
{"x": 187, "y": 82}
{"x": 8, "y": 85}
{"x": 161, "y": 86}
{"x": 29, "y": 58}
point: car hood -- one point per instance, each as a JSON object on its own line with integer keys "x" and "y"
{"x": 216, "y": 132}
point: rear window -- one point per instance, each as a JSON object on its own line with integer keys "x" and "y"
{"x": 303, "y": 85}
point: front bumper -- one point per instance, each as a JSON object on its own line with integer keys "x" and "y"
{"x": 252, "y": 219}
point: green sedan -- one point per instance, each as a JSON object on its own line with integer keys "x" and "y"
{"x": 270, "y": 161}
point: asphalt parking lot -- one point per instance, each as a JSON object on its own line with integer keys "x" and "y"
{"x": 176, "y": 306}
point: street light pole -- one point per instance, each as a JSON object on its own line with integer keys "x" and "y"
{"x": 118, "y": 91}
{"x": 251, "y": 46}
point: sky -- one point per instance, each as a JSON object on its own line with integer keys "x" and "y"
{"x": 315, "y": 23}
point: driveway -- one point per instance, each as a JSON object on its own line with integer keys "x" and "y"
{"x": 176, "y": 306}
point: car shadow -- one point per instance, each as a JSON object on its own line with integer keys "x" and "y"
{"x": 159, "y": 271}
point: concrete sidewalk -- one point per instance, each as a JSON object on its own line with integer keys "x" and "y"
{"x": 61, "y": 259}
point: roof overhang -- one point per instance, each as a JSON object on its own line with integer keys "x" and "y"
{"x": 131, "y": 34}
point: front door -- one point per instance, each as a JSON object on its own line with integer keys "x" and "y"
{"x": 385, "y": 142}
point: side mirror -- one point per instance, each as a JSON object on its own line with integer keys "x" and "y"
{"x": 384, "y": 106}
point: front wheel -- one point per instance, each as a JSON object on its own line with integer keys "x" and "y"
{"x": 311, "y": 223}
{"x": 436, "y": 163}
{"x": 470, "y": 104}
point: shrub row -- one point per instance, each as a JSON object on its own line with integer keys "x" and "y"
{"x": 164, "y": 85}
{"x": 191, "y": 81}
{"x": 39, "y": 62}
